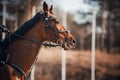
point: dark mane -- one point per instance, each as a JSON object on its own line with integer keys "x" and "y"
{"x": 22, "y": 30}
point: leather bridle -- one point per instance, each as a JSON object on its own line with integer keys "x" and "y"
{"x": 53, "y": 28}
{"x": 47, "y": 25}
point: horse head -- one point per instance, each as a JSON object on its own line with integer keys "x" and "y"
{"x": 55, "y": 31}
{"x": 25, "y": 42}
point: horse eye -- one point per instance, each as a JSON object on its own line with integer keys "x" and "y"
{"x": 57, "y": 22}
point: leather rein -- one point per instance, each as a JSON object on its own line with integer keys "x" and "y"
{"x": 48, "y": 25}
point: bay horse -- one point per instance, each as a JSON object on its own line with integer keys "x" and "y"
{"x": 20, "y": 49}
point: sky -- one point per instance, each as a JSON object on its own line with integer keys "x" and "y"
{"x": 73, "y": 6}
{"x": 69, "y": 5}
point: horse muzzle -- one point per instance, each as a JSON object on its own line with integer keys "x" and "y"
{"x": 67, "y": 44}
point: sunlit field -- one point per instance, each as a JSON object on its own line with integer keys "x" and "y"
{"x": 48, "y": 65}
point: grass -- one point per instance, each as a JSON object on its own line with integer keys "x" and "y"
{"x": 48, "y": 66}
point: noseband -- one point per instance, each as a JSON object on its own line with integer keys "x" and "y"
{"x": 47, "y": 25}
{"x": 54, "y": 29}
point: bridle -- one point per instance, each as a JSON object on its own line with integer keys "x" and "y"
{"x": 54, "y": 29}
{"x": 47, "y": 25}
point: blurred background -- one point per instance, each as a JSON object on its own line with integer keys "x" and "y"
{"x": 77, "y": 15}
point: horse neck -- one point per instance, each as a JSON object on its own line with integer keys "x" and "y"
{"x": 23, "y": 52}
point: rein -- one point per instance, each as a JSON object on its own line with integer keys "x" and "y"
{"x": 17, "y": 68}
{"x": 47, "y": 25}
{"x": 29, "y": 39}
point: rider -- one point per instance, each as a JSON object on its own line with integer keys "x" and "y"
{"x": 2, "y": 54}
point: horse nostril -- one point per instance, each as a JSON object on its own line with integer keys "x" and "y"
{"x": 74, "y": 41}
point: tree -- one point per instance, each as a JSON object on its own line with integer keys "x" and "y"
{"x": 112, "y": 22}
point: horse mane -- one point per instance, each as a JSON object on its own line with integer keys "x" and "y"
{"x": 22, "y": 30}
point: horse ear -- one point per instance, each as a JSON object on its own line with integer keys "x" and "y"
{"x": 51, "y": 9}
{"x": 45, "y": 6}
